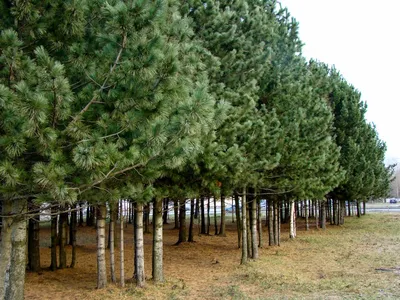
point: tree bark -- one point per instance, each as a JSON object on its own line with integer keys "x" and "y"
{"x": 139, "y": 247}
{"x": 74, "y": 221}
{"x": 276, "y": 223}
{"x": 363, "y": 208}
{"x": 254, "y": 240}
{"x": 248, "y": 230}
{"x": 112, "y": 243}
{"x": 101, "y": 246}
{"x": 306, "y": 211}
{"x": 271, "y": 240}
{"x": 176, "y": 214}
{"x": 317, "y": 214}
{"x": 6, "y": 248}
{"x": 53, "y": 265}
{"x": 197, "y": 208}
{"x": 192, "y": 208}
{"x": 157, "y": 261}
{"x": 215, "y": 217}
{"x": 222, "y": 231}
{"x": 62, "y": 239}
{"x": 203, "y": 219}
{"x": 323, "y": 214}
{"x": 238, "y": 223}
{"x": 122, "y": 251}
{"x": 182, "y": 222}
{"x": 259, "y": 224}
{"x": 244, "y": 229}
{"x": 165, "y": 211}
{"x": 292, "y": 233}
{"x": 208, "y": 215}
{"x": 80, "y": 214}
{"x": 358, "y": 209}
{"x": 33, "y": 244}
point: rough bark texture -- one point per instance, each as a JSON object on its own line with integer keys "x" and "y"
{"x": 197, "y": 209}
{"x": 192, "y": 208}
{"x": 157, "y": 259}
{"x": 259, "y": 224}
{"x": 165, "y": 211}
{"x": 215, "y": 217}
{"x": 244, "y": 229}
{"x": 139, "y": 247}
{"x": 248, "y": 221}
{"x": 276, "y": 223}
{"x": 222, "y": 231}
{"x": 306, "y": 211}
{"x": 323, "y": 214}
{"x": 13, "y": 251}
{"x": 317, "y": 214}
{"x": 254, "y": 241}
{"x": 238, "y": 223}
{"x": 208, "y": 215}
{"x": 271, "y": 240}
{"x": 101, "y": 246}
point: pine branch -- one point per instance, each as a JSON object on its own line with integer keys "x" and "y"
{"x": 104, "y": 85}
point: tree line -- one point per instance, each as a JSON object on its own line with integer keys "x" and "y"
{"x": 168, "y": 99}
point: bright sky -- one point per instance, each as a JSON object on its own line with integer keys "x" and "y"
{"x": 362, "y": 39}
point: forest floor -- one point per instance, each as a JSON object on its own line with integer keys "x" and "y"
{"x": 360, "y": 260}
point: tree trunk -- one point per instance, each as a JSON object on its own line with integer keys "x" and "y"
{"x": 363, "y": 207}
{"x": 139, "y": 247}
{"x": 222, "y": 231}
{"x": 182, "y": 222}
{"x": 176, "y": 214}
{"x": 248, "y": 230}
{"x": 259, "y": 223}
{"x": 292, "y": 230}
{"x": 53, "y": 265}
{"x": 254, "y": 240}
{"x": 13, "y": 250}
{"x": 271, "y": 240}
{"x": 215, "y": 217}
{"x": 165, "y": 211}
{"x": 197, "y": 209}
{"x": 323, "y": 214}
{"x": 33, "y": 244}
{"x": 74, "y": 221}
{"x": 111, "y": 239}
{"x": 146, "y": 218}
{"x": 317, "y": 214}
{"x": 157, "y": 261}
{"x": 192, "y": 208}
{"x": 276, "y": 223}
{"x": 358, "y": 209}
{"x": 80, "y": 214}
{"x": 203, "y": 219}
{"x": 101, "y": 246}
{"x": 62, "y": 225}
{"x": 238, "y": 223}
{"x": 306, "y": 211}
{"x": 122, "y": 251}
{"x": 244, "y": 229}
{"x": 208, "y": 215}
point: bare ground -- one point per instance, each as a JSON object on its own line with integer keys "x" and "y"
{"x": 360, "y": 260}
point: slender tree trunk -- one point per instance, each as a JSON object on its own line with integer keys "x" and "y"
{"x": 74, "y": 221}
{"x": 215, "y": 217}
{"x": 279, "y": 225}
{"x": 122, "y": 250}
{"x": 244, "y": 229}
{"x": 139, "y": 247}
{"x": 254, "y": 240}
{"x": 306, "y": 211}
{"x": 101, "y": 246}
{"x": 233, "y": 213}
{"x": 363, "y": 207}
{"x": 80, "y": 222}
{"x": 157, "y": 259}
{"x": 6, "y": 248}
{"x": 197, "y": 209}
{"x": 238, "y": 223}
{"x": 203, "y": 219}
{"x": 191, "y": 223}
{"x": 112, "y": 243}
{"x": 33, "y": 244}
{"x": 222, "y": 231}
{"x": 317, "y": 214}
{"x": 271, "y": 240}
{"x": 248, "y": 230}
{"x": 176, "y": 214}
{"x": 63, "y": 239}
{"x": 259, "y": 224}
{"x": 146, "y": 217}
{"x": 292, "y": 230}
{"x": 182, "y": 222}
{"x": 358, "y": 209}
{"x": 208, "y": 215}
{"x": 276, "y": 223}
{"x": 53, "y": 265}
{"x": 323, "y": 214}
{"x": 165, "y": 211}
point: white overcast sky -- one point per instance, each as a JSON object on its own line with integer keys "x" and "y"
{"x": 362, "y": 39}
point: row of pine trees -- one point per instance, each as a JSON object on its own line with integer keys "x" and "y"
{"x": 148, "y": 100}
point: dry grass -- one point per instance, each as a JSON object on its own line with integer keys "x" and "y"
{"x": 338, "y": 263}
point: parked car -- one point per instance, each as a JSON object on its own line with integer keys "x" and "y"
{"x": 393, "y": 201}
